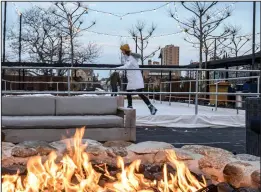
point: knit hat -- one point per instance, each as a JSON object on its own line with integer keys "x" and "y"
{"x": 125, "y": 47}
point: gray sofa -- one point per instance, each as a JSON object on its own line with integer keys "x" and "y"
{"x": 49, "y": 118}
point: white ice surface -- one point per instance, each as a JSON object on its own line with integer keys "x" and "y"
{"x": 181, "y": 115}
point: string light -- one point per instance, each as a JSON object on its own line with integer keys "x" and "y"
{"x": 156, "y": 36}
{"x": 114, "y": 35}
{"x": 211, "y": 18}
{"x": 183, "y": 30}
{"x": 215, "y": 14}
{"x": 121, "y": 16}
{"x": 130, "y": 37}
{"x": 248, "y": 36}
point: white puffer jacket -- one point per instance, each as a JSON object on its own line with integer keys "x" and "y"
{"x": 135, "y": 79}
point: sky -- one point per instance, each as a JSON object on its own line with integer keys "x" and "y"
{"x": 242, "y": 16}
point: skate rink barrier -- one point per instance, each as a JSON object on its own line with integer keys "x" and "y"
{"x": 170, "y": 113}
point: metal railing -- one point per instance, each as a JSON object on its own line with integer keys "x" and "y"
{"x": 46, "y": 82}
{"x": 208, "y": 80}
{"x": 170, "y": 93}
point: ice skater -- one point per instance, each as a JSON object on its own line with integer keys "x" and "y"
{"x": 134, "y": 77}
{"x": 115, "y": 81}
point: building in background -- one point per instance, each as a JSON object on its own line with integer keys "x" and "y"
{"x": 86, "y": 75}
{"x": 170, "y": 55}
{"x": 157, "y": 76}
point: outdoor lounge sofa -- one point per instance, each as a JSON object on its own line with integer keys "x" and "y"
{"x": 48, "y": 118}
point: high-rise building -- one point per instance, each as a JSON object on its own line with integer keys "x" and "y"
{"x": 170, "y": 55}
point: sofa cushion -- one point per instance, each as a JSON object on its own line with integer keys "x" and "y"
{"x": 106, "y": 121}
{"x": 31, "y": 106}
{"x": 100, "y": 105}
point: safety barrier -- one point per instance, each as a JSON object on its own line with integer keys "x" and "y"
{"x": 196, "y": 94}
{"x": 208, "y": 80}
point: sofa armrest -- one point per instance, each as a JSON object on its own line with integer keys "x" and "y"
{"x": 129, "y": 116}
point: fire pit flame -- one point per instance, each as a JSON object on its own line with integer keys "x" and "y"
{"x": 75, "y": 173}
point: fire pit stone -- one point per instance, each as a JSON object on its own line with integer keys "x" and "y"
{"x": 218, "y": 164}
{"x": 247, "y": 157}
{"x": 7, "y": 149}
{"x": 120, "y": 151}
{"x": 117, "y": 144}
{"x": 21, "y": 151}
{"x": 149, "y": 147}
{"x": 239, "y": 173}
{"x": 213, "y": 166}
{"x": 62, "y": 144}
{"x": 255, "y": 176}
{"x": 42, "y": 147}
{"x": 207, "y": 150}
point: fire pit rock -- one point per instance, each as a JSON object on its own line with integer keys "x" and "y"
{"x": 117, "y": 144}
{"x": 247, "y": 157}
{"x": 239, "y": 173}
{"x": 182, "y": 155}
{"x": 148, "y": 151}
{"x": 8, "y": 160}
{"x": 217, "y": 164}
{"x": 213, "y": 166}
{"x": 7, "y": 149}
{"x": 120, "y": 151}
{"x": 255, "y": 176}
{"x": 61, "y": 145}
{"x": 149, "y": 147}
{"x": 207, "y": 150}
{"x": 13, "y": 169}
{"x": 21, "y": 151}
{"x": 42, "y": 147}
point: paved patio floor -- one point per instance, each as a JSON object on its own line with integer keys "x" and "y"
{"x": 232, "y": 139}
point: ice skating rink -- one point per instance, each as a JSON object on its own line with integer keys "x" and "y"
{"x": 180, "y": 115}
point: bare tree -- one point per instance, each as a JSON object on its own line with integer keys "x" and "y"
{"x": 142, "y": 40}
{"x": 87, "y": 54}
{"x": 211, "y": 44}
{"x": 45, "y": 38}
{"x": 40, "y": 40}
{"x": 235, "y": 42}
{"x": 203, "y": 23}
{"x": 71, "y": 22}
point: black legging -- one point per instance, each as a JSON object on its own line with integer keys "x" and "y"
{"x": 143, "y": 97}
{"x": 114, "y": 88}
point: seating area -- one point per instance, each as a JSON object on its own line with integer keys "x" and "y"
{"x": 48, "y": 118}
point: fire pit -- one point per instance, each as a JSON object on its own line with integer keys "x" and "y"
{"x": 121, "y": 166}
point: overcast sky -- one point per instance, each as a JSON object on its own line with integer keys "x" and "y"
{"x": 242, "y": 16}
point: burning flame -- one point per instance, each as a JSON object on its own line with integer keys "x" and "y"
{"x": 75, "y": 173}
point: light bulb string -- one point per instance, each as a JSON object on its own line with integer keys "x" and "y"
{"x": 216, "y": 13}
{"x": 114, "y": 35}
{"x": 156, "y": 36}
{"x": 125, "y": 14}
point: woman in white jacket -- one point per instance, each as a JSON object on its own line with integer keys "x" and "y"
{"x": 135, "y": 78}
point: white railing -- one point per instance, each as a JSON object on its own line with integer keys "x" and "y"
{"x": 170, "y": 93}
{"x": 208, "y": 80}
